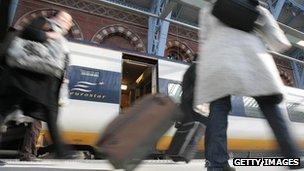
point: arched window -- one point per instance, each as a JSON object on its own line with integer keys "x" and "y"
{"x": 74, "y": 33}
{"x": 119, "y": 36}
{"x": 179, "y": 51}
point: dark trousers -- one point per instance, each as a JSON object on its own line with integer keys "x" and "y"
{"x": 31, "y": 136}
{"x": 216, "y": 131}
{"x": 7, "y": 103}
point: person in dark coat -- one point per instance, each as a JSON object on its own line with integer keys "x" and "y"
{"x": 187, "y": 97}
{"x": 37, "y": 94}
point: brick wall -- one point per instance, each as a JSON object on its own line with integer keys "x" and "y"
{"x": 90, "y": 24}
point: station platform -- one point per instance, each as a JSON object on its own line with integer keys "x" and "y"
{"x": 103, "y": 165}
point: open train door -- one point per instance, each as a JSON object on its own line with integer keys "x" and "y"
{"x": 139, "y": 78}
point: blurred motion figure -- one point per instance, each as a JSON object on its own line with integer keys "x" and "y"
{"x": 236, "y": 62}
{"x": 37, "y": 94}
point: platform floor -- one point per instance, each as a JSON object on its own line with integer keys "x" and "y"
{"x": 103, "y": 165}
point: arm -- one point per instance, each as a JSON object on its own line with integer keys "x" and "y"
{"x": 271, "y": 32}
{"x": 63, "y": 88}
{"x": 204, "y": 22}
{"x": 66, "y": 64}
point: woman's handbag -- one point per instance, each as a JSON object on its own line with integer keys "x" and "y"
{"x": 45, "y": 58}
{"x": 271, "y": 32}
{"x": 238, "y": 14}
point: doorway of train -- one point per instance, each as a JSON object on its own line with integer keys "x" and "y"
{"x": 139, "y": 78}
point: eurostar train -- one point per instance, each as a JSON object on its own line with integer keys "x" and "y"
{"x": 101, "y": 82}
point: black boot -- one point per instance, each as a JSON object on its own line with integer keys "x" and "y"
{"x": 29, "y": 157}
{"x": 70, "y": 155}
{"x": 226, "y": 168}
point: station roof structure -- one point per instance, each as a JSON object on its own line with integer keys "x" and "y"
{"x": 289, "y": 12}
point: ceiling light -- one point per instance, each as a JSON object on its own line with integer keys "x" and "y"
{"x": 139, "y": 78}
{"x": 124, "y": 87}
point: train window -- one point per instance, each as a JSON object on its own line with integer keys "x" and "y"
{"x": 89, "y": 73}
{"x": 252, "y": 108}
{"x": 175, "y": 92}
{"x": 296, "y": 112}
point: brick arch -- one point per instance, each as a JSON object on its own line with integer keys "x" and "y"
{"x": 26, "y": 18}
{"x": 117, "y": 29}
{"x": 287, "y": 79}
{"x": 183, "y": 48}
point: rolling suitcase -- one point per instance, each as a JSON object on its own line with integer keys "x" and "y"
{"x": 191, "y": 129}
{"x": 185, "y": 141}
{"x": 132, "y": 135}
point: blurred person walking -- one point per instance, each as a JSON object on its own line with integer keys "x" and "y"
{"x": 36, "y": 93}
{"x": 236, "y": 62}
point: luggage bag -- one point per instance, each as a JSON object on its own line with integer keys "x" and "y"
{"x": 184, "y": 144}
{"x": 132, "y": 135}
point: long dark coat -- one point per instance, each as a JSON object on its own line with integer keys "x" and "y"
{"x": 38, "y": 91}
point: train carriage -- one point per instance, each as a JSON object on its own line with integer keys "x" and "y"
{"x": 101, "y": 82}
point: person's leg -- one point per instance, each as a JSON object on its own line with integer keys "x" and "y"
{"x": 274, "y": 115}
{"x": 36, "y": 129}
{"x": 51, "y": 116}
{"x": 216, "y": 134}
{"x": 28, "y": 150}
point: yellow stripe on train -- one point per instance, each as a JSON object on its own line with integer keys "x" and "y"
{"x": 90, "y": 139}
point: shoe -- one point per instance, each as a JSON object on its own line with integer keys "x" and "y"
{"x": 227, "y": 168}
{"x": 71, "y": 155}
{"x": 29, "y": 158}
{"x": 301, "y": 166}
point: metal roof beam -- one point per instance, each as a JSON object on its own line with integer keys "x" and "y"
{"x": 294, "y": 3}
{"x": 194, "y": 3}
{"x": 278, "y": 8}
{"x": 158, "y": 28}
{"x": 291, "y": 31}
{"x": 168, "y": 8}
{"x": 269, "y": 2}
{"x": 288, "y": 30}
